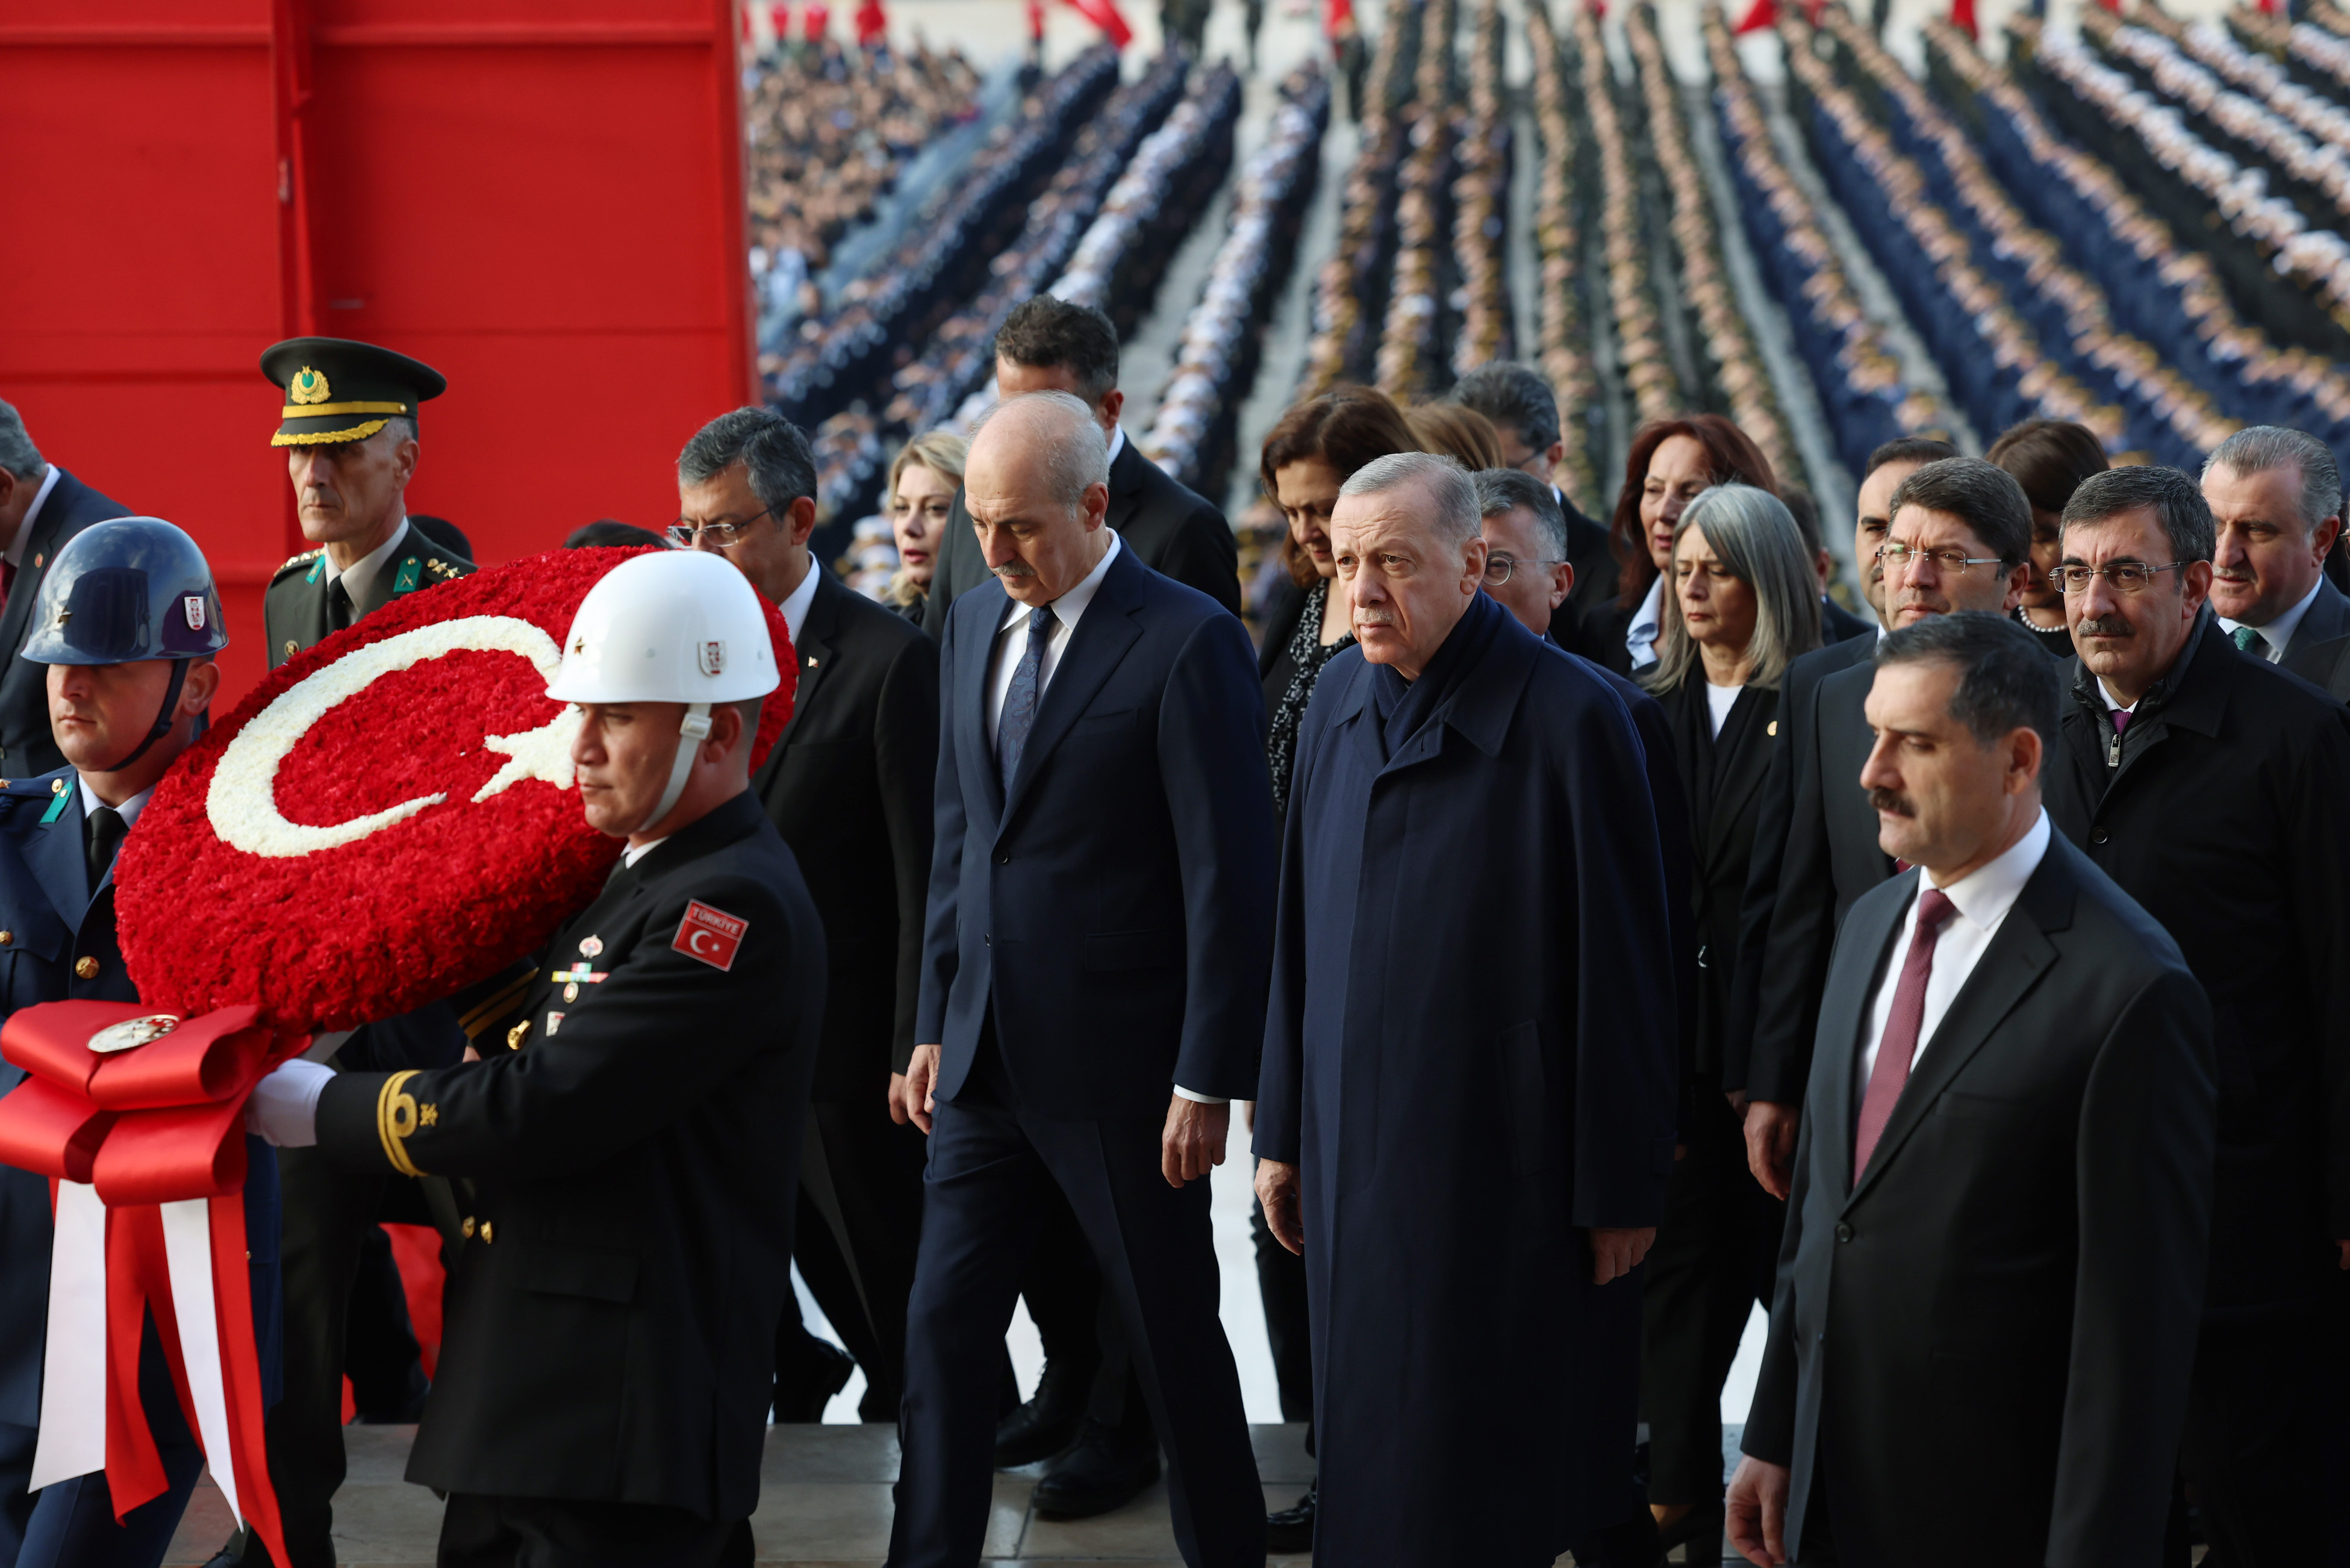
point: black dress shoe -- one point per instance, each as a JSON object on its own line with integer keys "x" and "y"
{"x": 1102, "y": 1471}
{"x": 819, "y": 1370}
{"x": 1292, "y": 1529}
{"x": 1047, "y": 1424}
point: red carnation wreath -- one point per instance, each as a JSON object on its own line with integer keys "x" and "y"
{"x": 387, "y": 818}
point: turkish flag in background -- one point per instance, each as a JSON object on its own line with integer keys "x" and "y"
{"x": 1105, "y": 15}
{"x": 1763, "y": 14}
{"x": 1962, "y": 17}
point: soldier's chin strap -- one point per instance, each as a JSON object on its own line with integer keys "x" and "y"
{"x": 163, "y": 719}
{"x": 691, "y": 730}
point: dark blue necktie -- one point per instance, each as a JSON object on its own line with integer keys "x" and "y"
{"x": 1019, "y": 715}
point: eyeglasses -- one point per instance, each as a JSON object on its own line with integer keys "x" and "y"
{"x": 2124, "y": 576}
{"x": 1957, "y": 563}
{"x": 687, "y": 532}
{"x": 1499, "y": 567}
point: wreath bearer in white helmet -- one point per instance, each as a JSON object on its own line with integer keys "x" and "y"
{"x": 609, "y": 1358}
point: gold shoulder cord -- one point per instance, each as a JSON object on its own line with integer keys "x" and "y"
{"x": 395, "y": 1119}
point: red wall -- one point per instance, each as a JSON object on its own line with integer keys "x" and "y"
{"x": 540, "y": 198}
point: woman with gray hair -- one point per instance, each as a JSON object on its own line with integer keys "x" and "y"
{"x": 1741, "y": 602}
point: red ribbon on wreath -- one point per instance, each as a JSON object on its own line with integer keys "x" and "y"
{"x": 139, "y": 1119}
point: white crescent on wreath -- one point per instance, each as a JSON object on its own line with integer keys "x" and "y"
{"x": 243, "y": 801}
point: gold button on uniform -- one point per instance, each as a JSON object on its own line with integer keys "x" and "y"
{"x": 86, "y": 966}
{"x": 6, "y": 938}
{"x": 486, "y": 1237}
{"x": 468, "y": 1227}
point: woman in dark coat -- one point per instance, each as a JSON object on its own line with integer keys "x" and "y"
{"x": 1743, "y": 601}
{"x": 1314, "y": 448}
{"x": 1670, "y": 463}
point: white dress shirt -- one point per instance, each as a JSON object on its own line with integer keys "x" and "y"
{"x": 1982, "y": 898}
{"x": 1646, "y": 621}
{"x": 1117, "y": 442}
{"x": 1719, "y": 701}
{"x": 2278, "y": 632}
{"x": 796, "y": 603}
{"x": 15, "y": 553}
{"x": 360, "y": 575}
{"x": 1012, "y": 638}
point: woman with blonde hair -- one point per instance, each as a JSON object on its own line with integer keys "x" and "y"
{"x": 924, "y": 479}
{"x": 1458, "y": 432}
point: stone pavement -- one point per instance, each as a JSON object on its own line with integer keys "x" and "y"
{"x": 823, "y": 1503}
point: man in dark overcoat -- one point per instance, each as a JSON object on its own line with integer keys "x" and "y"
{"x": 1465, "y": 1119}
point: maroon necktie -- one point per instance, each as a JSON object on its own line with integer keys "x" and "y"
{"x": 7, "y": 582}
{"x": 1899, "y": 1047}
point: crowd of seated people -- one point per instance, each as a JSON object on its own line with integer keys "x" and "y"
{"x": 1480, "y": 196}
{"x": 826, "y": 134}
{"x": 1216, "y": 360}
{"x": 1349, "y": 289}
{"x": 1563, "y": 340}
{"x": 2262, "y": 235}
{"x": 2168, "y": 415}
{"x": 1998, "y": 369}
{"x": 1863, "y": 391}
{"x": 839, "y": 357}
{"x": 955, "y": 356}
{"x": 1650, "y": 382}
{"x": 1413, "y": 327}
{"x": 2170, "y": 295}
{"x": 1739, "y": 385}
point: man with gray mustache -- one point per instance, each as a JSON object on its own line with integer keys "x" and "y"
{"x": 2209, "y": 784}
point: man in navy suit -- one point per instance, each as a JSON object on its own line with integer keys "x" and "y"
{"x": 1094, "y": 976}
{"x": 123, "y": 636}
{"x": 41, "y": 507}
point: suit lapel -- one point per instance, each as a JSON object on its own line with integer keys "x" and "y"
{"x": 974, "y": 641}
{"x": 1869, "y": 931}
{"x": 2019, "y": 954}
{"x": 1844, "y": 739}
{"x": 813, "y": 648}
{"x": 1741, "y": 756}
{"x": 1104, "y": 633}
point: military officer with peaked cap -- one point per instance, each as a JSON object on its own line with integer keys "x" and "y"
{"x": 603, "y": 1389}
{"x": 349, "y": 428}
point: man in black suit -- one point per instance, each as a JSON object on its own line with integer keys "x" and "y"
{"x": 41, "y": 507}
{"x": 1814, "y": 837}
{"x": 2275, "y": 496}
{"x": 1995, "y": 1255}
{"x": 1094, "y": 976}
{"x": 1524, "y": 413}
{"x": 1048, "y": 345}
{"x": 2210, "y": 785}
{"x": 848, "y": 787}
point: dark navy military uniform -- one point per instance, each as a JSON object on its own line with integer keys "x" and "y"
{"x": 632, "y": 1162}
{"x": 57, "y": 943}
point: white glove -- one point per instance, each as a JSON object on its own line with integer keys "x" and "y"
{"x": 283, "y": 1109}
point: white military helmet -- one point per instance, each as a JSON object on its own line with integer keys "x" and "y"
{"x": 670, "y": 626}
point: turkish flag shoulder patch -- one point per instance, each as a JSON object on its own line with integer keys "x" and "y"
{"x": 713, "y": 936}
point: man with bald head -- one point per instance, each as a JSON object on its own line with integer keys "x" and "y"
{"x": 1093, "y": 979}
{"x": 1466, "y": 1114}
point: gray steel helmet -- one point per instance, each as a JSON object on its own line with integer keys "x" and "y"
{"x": 126, "y": 589}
